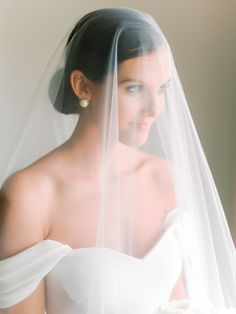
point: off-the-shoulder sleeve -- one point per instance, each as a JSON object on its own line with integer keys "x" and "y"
{"x": 20, "y": 274}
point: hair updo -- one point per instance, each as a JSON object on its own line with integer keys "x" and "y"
{"x": 89, "y": 47}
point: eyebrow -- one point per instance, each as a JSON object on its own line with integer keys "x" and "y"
{"x": 166, "y": 83}
{"x": 135, "y": 80}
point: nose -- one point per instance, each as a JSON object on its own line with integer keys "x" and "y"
{"x": 153, "y": 105}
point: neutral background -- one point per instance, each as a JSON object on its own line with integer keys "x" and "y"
{"x": 203, "y": 41}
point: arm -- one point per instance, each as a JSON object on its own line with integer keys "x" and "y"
{"x": 22, "y": 224}
{"x": 34, "y": 303}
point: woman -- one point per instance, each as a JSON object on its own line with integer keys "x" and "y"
{"x": 123, "y": 215}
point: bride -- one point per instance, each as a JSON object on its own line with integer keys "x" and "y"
{"x": 122, "y": 215}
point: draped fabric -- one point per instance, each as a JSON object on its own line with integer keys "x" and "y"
{"x": 128, "y": 283}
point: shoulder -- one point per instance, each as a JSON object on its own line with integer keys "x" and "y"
{"x": 36, "y": 180}
{"x": 158, "y": 167}
{"x": 23, "y": 186}
{"x": 25, "y": 198}
{"x": 160, "y": 171}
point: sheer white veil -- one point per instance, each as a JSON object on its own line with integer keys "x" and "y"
{"x": 159, "y": 144}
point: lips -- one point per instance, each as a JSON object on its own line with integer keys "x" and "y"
{"x": 143, "y": 124}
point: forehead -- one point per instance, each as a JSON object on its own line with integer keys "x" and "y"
{"x": 151, "y": 67}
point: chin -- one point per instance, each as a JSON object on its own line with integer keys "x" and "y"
{"x": 134, "y": 137}
{"x": 139, "y": 141}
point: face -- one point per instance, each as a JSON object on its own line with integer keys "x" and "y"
{"x": 141, "y": 94}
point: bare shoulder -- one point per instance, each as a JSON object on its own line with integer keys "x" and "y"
{"x": 25, "y": 198}
{"x": 160, "y": 171}
{"x": 159, "y": 167}
{"x": 25, "y": 206}
{"x": 28, "y": 180}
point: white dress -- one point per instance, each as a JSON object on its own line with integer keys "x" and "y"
{"x": 95, "y": 279}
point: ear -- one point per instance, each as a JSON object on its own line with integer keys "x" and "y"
{"x": 80, "y": 84}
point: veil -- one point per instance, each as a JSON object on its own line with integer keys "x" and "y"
{"x": 134, "y": 156}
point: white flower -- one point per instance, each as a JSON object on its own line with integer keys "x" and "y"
{"x": 183, "y": 306}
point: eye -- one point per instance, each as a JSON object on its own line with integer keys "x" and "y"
{"x": 134, "y": 89}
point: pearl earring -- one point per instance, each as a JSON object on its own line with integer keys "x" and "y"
{"x": 84, "y": 102}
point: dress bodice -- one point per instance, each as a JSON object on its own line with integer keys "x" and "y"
{"x": 95, "y": 279}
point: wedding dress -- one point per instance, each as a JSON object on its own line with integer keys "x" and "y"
{"x": 128, "y": 284}
{"x": 146, "y": 150}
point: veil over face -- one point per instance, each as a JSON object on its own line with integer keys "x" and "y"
{"x": 137, "y": 151}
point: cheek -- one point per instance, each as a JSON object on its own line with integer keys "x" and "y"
{"x": 160, "y": 104}
{"x": 128, "y": 107}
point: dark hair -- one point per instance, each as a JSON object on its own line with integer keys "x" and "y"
{"x": 89, "y": 46}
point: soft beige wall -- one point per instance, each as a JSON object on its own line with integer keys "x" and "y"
{"x": 201, "y": 34}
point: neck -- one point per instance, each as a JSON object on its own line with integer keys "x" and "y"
{"x": 87, "y": 148}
